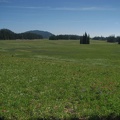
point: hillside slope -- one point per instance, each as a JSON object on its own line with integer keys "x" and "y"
{"x": 45, "y": 34}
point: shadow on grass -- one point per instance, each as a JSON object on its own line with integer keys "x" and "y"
{"x": 2, "y": 118}
{"x": 110, "y": 117}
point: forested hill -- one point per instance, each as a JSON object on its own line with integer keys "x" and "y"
{"x": 45, "y": 34}
{"x": 6, "y": 34}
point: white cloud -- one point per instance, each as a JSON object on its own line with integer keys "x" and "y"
{"x": 64, "y": 8}
{"x": 27, "y": 7}
{"x": 83, "y": 9}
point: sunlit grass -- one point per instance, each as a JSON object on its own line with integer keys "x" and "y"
{"x": 59, "y": 79}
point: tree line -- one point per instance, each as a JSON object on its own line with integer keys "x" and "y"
{"x": 111, "y": 38}
{"x": 85, "y": 39}
{"x": 64, "y": 37}
{"x": 6, "y": 34}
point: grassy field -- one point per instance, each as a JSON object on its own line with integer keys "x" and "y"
{"x": 59, "y": 80}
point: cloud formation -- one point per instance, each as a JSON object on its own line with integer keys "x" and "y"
{"x": 83, "y": 9}
{"x": 64, "y": 8}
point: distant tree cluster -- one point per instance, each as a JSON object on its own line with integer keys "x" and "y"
{"x": 99, "y": 38}
{"x": 6, "y": 34}
{"x": 85, "y": 39}
{"x": 118, "y": 40}
{"x": 111, "y": 39}
{"x": 64, "y": 37}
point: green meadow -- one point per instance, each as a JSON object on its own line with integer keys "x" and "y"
{"x": 43, "y": 79}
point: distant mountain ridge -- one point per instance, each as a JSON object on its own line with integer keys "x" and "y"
{"x": 6, "y": 34}
{"x": 32, "y": 34}
{"x": 45, "y": 34}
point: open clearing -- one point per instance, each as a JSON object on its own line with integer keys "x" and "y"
{"x": 59, "y": 80}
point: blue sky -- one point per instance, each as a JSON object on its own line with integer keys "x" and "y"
{"x": 96, "y": 17}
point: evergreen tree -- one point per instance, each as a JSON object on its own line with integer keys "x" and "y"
{"x": 119, "y": 40}
{"x": 85, "y": 39}
{"x": 53, "y": 37}
{"x": 111, "y": 39}
{"x": 81, "y": 40}
{"x": 6, "y": 34}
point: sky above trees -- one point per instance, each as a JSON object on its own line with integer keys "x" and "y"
{"x": 96, "y": 17}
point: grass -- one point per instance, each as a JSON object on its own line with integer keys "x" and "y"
{"x": 59, "y": 80}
